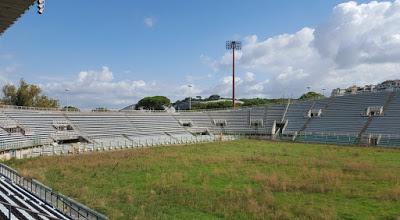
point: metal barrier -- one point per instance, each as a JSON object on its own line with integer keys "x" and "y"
{"x": 65, "y": 205}
{"x": 22, "y": 144}
{"x": 114, "y": 143}
{"x": 327, "y": 138}
{"x": 108, "y": 143}
{"x": 10, "y": 207}
{"x": 338, "y": 138}
{"x": 342, "y": 138}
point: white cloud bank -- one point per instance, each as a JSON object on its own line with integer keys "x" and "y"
{"x": 97, "y": 88}
{"x": 359, "y": 44}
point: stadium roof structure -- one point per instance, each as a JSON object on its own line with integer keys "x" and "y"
{"x": 11, "y": 10}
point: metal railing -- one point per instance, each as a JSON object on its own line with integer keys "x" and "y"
{"x": 28, "y": 108}
{"x": 9, "y": 207}
{"x": 327, "y": 138}
{"x": 344, "y": 138}
{"x": 4, "y": 146}
{"x": 120, "y": 143}
{"x": 64, "y": 135}
{"x": 64, "y": 204}
{"x": 107, "y": 143}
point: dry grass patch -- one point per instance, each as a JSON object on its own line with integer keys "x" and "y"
{"x": 309, "y": 181}
{"x": 392, "y": 194}
{"x": 357, "y": 166}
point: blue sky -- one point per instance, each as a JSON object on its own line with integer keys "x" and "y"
{"x": 163, "y": 44}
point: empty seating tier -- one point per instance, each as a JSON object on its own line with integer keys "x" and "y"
{"x": 344, "y": 115}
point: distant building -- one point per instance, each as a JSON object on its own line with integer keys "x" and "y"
{"x": 388, "y": 85}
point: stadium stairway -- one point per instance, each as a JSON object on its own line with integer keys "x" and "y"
{"x": 322, "y": 104}
{"x": 389, "y": 122}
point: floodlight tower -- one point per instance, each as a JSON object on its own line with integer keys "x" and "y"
{"x": 66, "y": 98}
{"x": 233, "y": 45}
{"x": 190, "y": 96}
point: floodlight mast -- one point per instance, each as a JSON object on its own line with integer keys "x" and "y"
{"x": 233, "y": 45}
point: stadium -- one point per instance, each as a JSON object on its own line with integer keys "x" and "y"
{"x": 204, "y": 164}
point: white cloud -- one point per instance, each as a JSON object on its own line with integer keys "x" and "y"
{"x": 99, "y": 88}
{"x": 208, "y": 61}
{"x": 249, "y": 77}
{"x": 359, "y": 44}
{"x": 361, "y": 33}
{"x": 227, "y": 80}
{"x": 248, "y": 86}
{"x": 89, "y": 76}
{"x": 292, "y": 74}
{"x": 149, "y": 22}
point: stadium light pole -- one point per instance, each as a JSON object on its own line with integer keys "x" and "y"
{"x": 233, "y": 45}
{"x": 66, "y": 98}
{"x": 190, "y": 96}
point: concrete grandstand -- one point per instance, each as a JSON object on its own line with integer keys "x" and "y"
{"x": 367, "y": 119}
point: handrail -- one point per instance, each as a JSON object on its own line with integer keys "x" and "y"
{"x": 328, "y": 133}
{"x": 22, "y": 144}
{"x": 286, "y": 110}
{"x": 62, "y": 203}
{"x": 9, "y": 206}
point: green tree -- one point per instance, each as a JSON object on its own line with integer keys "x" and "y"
{"x": 311, "y": 96}
{"x": 213, "y": 105}
{"x": 261, "y": 101}
{"x": 27, "y": 95}
{"x": 214, "y": 97}
{"x": 153, "y": 103}
{"x": 70, "y": 109}
{"x": 100, "y": 109}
